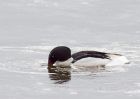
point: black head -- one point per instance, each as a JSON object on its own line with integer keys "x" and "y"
{"x": 60, "y": 53}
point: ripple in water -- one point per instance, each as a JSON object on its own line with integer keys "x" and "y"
{"x": 30, "y": 59}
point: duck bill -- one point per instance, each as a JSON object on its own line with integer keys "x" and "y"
{"x": 50, "y": 64}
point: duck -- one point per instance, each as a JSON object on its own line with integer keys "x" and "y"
{"x": 62, "y": 56}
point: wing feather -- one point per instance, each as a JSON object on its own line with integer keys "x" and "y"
{"x": 83, "y": 54}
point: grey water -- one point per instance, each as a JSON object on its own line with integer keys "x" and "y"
{"x": 29, "y": 29}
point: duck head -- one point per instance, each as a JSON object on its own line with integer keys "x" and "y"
{"x": 60, "y": 53}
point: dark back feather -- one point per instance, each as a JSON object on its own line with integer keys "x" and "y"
{"x": 84, "y": 54}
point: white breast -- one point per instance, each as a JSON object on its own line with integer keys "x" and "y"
{"x": 64, "y": 63}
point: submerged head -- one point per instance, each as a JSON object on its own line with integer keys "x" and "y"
{"x": 60, "y": 53}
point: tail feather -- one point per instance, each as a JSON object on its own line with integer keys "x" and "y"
{"x": 117, "y": 59}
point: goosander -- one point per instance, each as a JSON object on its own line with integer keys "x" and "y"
{"x": 61, "y": 56}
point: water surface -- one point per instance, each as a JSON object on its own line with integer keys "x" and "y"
{"x": 29, "y": 29}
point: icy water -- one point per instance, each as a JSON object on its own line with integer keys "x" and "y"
{"x": 29, "y": 29}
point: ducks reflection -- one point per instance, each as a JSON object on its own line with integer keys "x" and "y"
{"x": 60, "y": 74}
{"x": 92, "y": 69}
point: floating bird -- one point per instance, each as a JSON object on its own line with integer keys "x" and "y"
{"x": 61, "y": 56}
